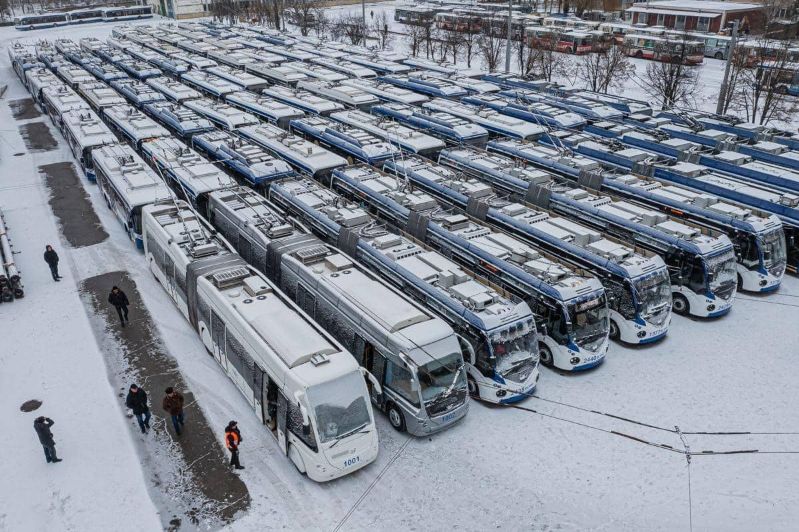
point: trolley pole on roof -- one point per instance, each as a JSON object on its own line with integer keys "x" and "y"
{"x": 507, "y": 42}
{"x": 730, "y": 55}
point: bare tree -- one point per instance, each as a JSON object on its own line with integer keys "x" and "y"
{"x": 546, "y": 61}
{"x": 321, "y": 23}
{"x": 225, "y": 11}
{"x": 451, "y": 42}
{"x": 380, "y": 29}
{"x": 469, "y": 45}
{"x": 428, "y": 27}
{"x": 302, "y": 13}
{"x": 668, "y": 78}
{"x": 491, "y": 45}
{"x": 606, "y": 69}
{"x": 414, "y": 36}
{"x": 761, "y": 90}
{"x": 350, "y": 27}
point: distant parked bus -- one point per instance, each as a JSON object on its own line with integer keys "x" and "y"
{"x": 42, "y": 20}
{"x": 664, "y": 49}
{"x": 784, "y": 76}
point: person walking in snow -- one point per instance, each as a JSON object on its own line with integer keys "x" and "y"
{"x": 42, "y": 427}
{"x": 51, "y": 258}
{"x": 232, "y": 441}
{"x": 173, "y": 403}
{"x": 137, "y": 401}
{"x": 120, "y": 301}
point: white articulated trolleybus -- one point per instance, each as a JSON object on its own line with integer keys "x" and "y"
{"x": 417, "y": 374}
{"x": 497, "y": 332}
{"x": 128, "y": 184}
{"x": 301, "y": 383}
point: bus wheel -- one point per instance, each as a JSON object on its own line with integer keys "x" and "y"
{"x": 614, "y": 330}
{"x": 545, "y": 355}
{"x": 719, "y": 55}
{"x": 474, "y": 390}
{"x": 680, "y": 305}
{"x": 396, "y": 418}
{"x": 639, "y": 54}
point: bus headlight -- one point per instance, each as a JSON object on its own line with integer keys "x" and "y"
{"x": 711, "y": 308}
{"x": 641, "y": 334}
{"x": 574, "y": 361}
{"x": 763, "y": 282}
{"x": 501, "y": 393}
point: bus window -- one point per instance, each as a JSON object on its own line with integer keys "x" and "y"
{"x": 696, "y": 280}
{"x": 399, "y": 379}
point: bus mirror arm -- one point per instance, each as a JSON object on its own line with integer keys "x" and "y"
{"x": 375, "y": 384}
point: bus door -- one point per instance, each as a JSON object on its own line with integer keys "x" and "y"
{"x": 282, "y": 413}
{"x": 268, "y": 400}
{"x": 218, "y": 339}
{"x": 368, "y": 357}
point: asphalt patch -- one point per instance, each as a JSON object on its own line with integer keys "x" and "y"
{"x": 37, "y": 137}
{"x": 24, "y": 109}
{"x": 30, "y": 406}
{"x": 219, "y": 493}
{"x": 72, "y": 206}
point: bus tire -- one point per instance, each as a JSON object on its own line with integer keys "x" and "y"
{"x": 614, "y": 331}
{"x": 395, "y": 417}
{"x": 680, "y": 305}
{"x": 545, "y": 355}
{"x": 639, "y": 54}
{"x": 719, "y": 55}
{"x": 474, "y": 390}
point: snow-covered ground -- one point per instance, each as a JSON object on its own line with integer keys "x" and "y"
{"x": 551, "y": 464}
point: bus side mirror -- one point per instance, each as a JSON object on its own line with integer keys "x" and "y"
{"x": 375, "y": 384}
{"x": 468, "y": 350}
{"x": 306, "y": 421}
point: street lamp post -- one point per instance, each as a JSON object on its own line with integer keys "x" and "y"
{"x": 730, "y": 55}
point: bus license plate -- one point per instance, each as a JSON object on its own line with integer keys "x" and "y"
{"x": 349, "y": 462}
{"x": 448, "y": 417}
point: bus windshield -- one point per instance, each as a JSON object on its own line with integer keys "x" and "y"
{"x": 589, "y": 322}
{"x": 653, "y": 295}
{"x": 516, "y": 351}
{"x": 721, "y": 274}
{"x": 773, "y": 249}
{"x": 443, "y": 383}
{"x": 339, "y": 406}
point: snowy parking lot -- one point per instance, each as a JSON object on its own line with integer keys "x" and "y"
{"x": 601, "y": 450}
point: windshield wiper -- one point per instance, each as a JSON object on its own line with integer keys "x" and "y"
{"x": 351, "y": 432}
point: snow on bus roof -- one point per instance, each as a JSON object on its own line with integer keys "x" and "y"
{"x": 289, "y": 334}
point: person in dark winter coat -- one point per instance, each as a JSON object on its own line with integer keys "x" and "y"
{"x": 173, "y": 403}
{"x": 137, "y": 401}
{"x": 120, "y": 301}
{"x": 232, "y": 441}
{"x": 51, "y": 258}
{"x": 42, "y": 427}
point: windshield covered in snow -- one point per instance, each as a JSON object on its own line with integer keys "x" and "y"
{"x": 772, "y": 247}
{"x": 340, "y": 406}
{"x": 653, "y": 295}
{"x": 516, "y": 350}
{"x": 721, "y": 274}
{"x": 443, "y": 383}
{"x": 589, "y": 322}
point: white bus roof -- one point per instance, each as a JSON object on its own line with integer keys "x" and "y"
{"x": 135, "y": 182}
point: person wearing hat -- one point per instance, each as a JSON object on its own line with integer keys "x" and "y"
{"x": 137, "y": 401}
{"x": 232, "y": 441}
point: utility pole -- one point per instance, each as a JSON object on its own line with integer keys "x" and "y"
{"x": 363, "y": 14}
{"x": 507, "y": 42}
{"x": 730, "y": 56}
